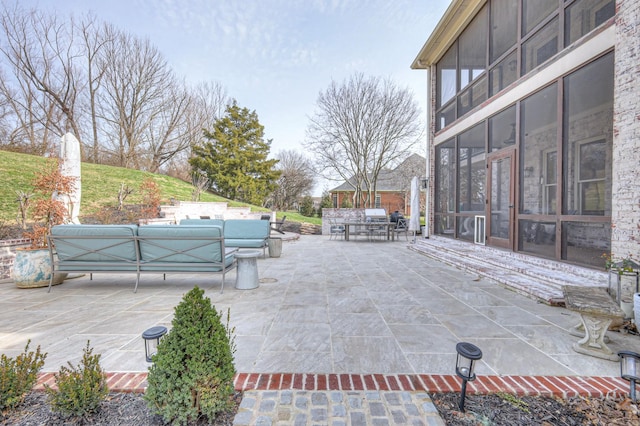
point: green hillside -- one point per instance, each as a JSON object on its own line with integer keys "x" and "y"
{"x": 100, "y": 185}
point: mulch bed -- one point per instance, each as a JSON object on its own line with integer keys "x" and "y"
{"x": 117, "y": 410}
{"x": 497, "y": 409}
{"x": 506, "y": 409}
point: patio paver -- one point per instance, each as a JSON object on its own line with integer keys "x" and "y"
{"x": 328, "y": 314}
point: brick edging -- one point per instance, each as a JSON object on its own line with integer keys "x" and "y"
{"x": 560, "y": 386}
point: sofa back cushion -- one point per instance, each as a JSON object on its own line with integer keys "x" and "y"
{"x": 180, "y": 244}
{"x": 253, "y": 229}
{"x": 95, "y": 243}
{"x": 200, "y": 222}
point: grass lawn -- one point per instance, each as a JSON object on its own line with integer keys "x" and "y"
{"x": 100, "y": 185}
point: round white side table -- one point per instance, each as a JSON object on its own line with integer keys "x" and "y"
{"x": 247, "y": 271}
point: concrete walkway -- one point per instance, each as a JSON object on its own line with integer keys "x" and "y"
{"x": 325, "y": 309}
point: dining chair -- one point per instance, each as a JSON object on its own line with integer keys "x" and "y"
{"x": 335, "y": 229}
{"x": 401, "y": 227}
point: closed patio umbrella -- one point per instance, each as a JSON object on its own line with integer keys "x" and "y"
{"x": 414, "y": 219}
{"x": 70, "y": 166}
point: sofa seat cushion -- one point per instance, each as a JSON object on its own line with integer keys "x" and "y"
{"x": 96, "y": 245}
{"x": 245, "y": 243}
{"x": 181, "y": 248}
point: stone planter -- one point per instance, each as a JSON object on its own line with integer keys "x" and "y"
{"x": 32, "y": 269}
{"x": 275, "y": 246}
{"x": 627, "y": 306}
{"x": 623, "y": 285}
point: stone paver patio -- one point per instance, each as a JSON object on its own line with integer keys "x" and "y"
{"x": 323, "y": 309}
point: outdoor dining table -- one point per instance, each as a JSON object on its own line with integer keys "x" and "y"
{"x": 369, "y": 226}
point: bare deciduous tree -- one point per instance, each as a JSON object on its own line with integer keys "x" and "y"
{"x": 208, "y": 103}
{"x": 94, "y": 38}
{"x": 26, "y": 113}
{"x": 200, "y": 183}
{"x": 169, "y": 131}
{"x": 115, "y": 92}
{"x": 135, "y": 82}
{"x": 297, "y": 178}
{"x": 123, "y": 193}
{"x": 361, "y": 127}
{"x": 40, "y": 50}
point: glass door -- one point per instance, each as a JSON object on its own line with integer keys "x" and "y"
{"x": 501, "y": 199}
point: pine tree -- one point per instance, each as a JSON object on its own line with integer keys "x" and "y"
{"x": 235, "y": 157}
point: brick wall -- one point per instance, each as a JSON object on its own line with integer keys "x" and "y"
{"x": 625, "y": 235}
{"x": 8, "y": 255}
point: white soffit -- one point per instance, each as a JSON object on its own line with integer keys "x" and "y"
{"x": 455, "y": 19}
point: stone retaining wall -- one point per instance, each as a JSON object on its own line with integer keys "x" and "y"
{"x": 344, "y": 215}
{"x": 215, "y": 210}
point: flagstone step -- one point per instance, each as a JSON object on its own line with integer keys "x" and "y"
{"x": 528, "y": 275}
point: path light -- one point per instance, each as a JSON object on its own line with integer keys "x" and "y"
{"x": 468, "y": 354}
{"x": 152, "y": 338}
{"x": 630, "y": 370}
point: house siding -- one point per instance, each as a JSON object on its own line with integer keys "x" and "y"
{"x": 620, "y": 35}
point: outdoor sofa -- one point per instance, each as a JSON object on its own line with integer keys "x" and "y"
{"x": 158, "y": 249}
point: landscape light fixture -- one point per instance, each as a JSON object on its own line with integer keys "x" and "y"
{"x": 152, "y": 338}
{"x": 424, "y": 183}
{"x": 630, "y": 370}
{"x": 468, "y": 354}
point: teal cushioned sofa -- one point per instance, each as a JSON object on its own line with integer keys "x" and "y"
{"x": 247, "y": 233}
{"x": 103, "y": 247}
{"x": 239, "y": 233}
{"x": 190, "y": 248}
{"x": 146, "y": 249}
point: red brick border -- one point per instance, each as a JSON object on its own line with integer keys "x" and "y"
{"x": 561, "y": 386}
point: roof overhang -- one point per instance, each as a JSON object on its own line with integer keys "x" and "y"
{"x": 455, "y": 19}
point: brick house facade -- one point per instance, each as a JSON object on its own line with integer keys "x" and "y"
{"x": 534, "y": 126}
{"x": 392, "y": 189}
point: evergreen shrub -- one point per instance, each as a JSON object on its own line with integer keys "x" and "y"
{"x": 18, "y": 376}
{"x": 306, "y": 206}
{"x": 192, "y": 372}
{"x": 81, "y": 389}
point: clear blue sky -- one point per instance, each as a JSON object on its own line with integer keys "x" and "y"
{"x": 276, "y": 56}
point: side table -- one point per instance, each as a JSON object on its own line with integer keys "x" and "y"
{"x": 247, "y": 270}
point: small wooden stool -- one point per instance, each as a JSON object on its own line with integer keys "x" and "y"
{"x": 597, "y": 310}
